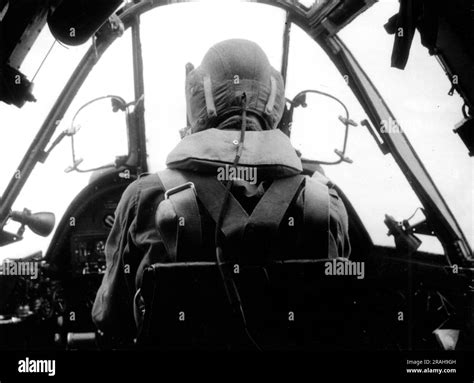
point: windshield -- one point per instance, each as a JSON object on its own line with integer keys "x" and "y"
{"x": 19, "y": 127}
{"x": 418, "y": 96}
{"x": 174, "y": 35}
{"x": 373, "y": 183}
{"x": 101, "y": 136}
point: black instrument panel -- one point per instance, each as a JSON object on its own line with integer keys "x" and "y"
{"x": 78, "y": 247}
{"x": 89, "y": 236}
{"x": 88, "y": 253}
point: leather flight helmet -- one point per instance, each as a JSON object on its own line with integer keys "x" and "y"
{"x": 229, "y": 69}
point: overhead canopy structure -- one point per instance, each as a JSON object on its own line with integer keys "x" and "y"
{"x": 73, "y": 22}
{"x": 21, "y": 21}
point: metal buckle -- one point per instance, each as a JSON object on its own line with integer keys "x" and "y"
{"x": 177, "y": 189}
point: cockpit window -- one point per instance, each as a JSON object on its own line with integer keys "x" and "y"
{"x": 175, "y": 35}
{"x": 373, "y": 182}
{"x": 101, "y": 137}
{"x": 418, "y": 96}
{"x": 50, "y": 65}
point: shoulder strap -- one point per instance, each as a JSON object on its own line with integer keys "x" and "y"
{"x": 177, "y": 218}
{"x": 272, "y": 207}
{"x": 211, "y": 193}
{"x": 180, "y": 206}
{"x": 316, "y": 218}
{"x": 268, "y": 213}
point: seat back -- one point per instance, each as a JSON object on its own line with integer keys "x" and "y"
{"x": 287, "y": 304}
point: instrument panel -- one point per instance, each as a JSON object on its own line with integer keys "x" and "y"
{"x": 88, "y": 253}
{"x": 83, "y": 231}
{"x": 88, "y": 239}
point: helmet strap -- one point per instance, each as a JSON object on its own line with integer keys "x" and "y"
{"x": 271, "y": 99}
{"x": 210, "y": 106}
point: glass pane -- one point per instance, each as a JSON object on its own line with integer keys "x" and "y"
{"x": 373, "y": 183}
{"x": 19, "y": 125}
{"x": 49, "y": 188}
{"x": 307, "y": 3}
{"x": 173, "y": 36}
{"x": 418, "y": 96}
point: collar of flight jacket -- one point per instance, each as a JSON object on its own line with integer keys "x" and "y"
{"x": 270, "y": 151}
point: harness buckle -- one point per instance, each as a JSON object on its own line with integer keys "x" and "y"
{"x": 177, "y": 189}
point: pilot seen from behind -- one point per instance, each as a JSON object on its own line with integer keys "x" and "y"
{"x": 235, "y": 100}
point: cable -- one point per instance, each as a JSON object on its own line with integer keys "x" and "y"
{"x": 227, "y": 279}
{"x": 44, "y": 59}
{"x": 416, "y": 210}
